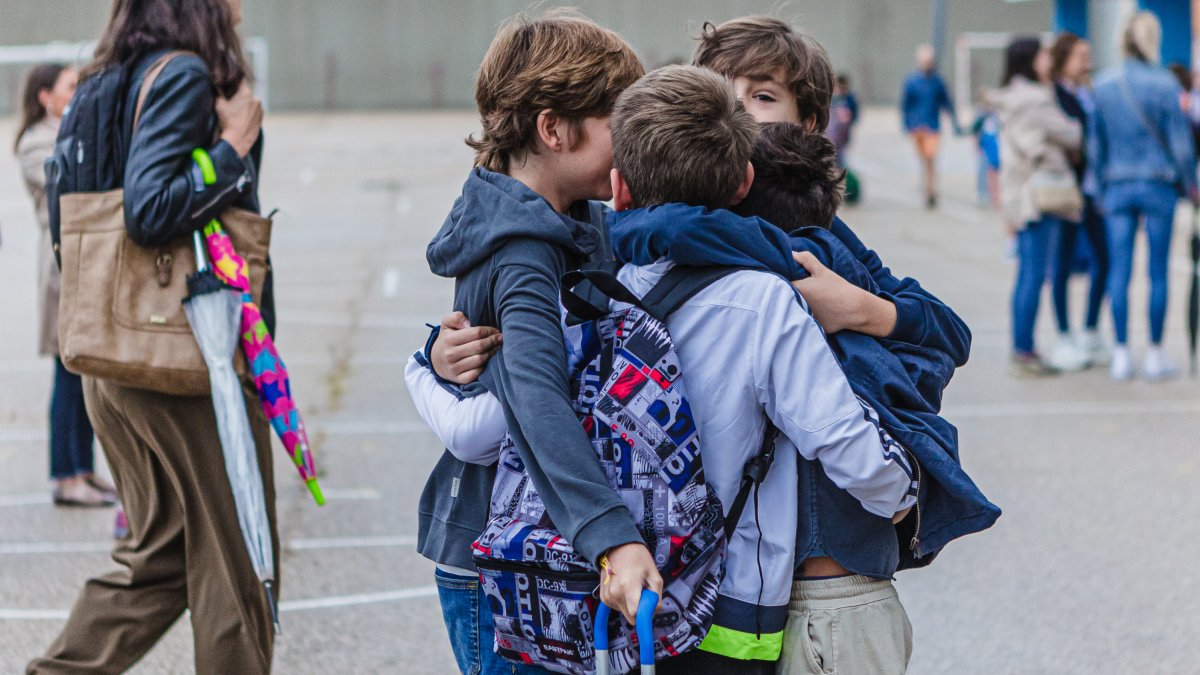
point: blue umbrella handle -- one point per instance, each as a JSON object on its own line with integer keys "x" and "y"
{"x": 601, "y": 630}
{"x": 645, "y": 629}
{"x": 645, "y": 632}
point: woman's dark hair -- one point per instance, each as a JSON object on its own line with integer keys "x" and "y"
{"x": 203, "y": 27}
{"x": 41, "y": 78}
{"x": 1019, "y": 57}
{"x": 1060, "y": 53}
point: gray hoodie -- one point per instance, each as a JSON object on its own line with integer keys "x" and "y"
{"x": 507, "y": 248}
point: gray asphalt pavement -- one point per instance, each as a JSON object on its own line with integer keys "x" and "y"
{"x": 1090, "y": 570}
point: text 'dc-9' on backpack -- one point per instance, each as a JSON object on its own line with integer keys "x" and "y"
{"x": 630, "y": 396}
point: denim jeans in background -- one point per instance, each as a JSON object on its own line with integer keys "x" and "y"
{"x": 1126, "y": 203}
{"x": 469, "y": 624}
{"x": 71, "y": 434}
{"x": 1092, "y": 227}
{"x": 1035, "y": 249}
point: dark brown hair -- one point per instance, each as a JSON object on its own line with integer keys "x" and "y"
{"x": 797, "y": 179}
{"x": 562, "y": 62}
{"x": 680, "y": 135}
{"x": 1060, "y": 53}
{"x": 41, "y": 78}
{"x": 758, "y": 46}
{"x": 203, "y": 27}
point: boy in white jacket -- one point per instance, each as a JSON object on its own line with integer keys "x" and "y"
{"x": 751, "y": 355}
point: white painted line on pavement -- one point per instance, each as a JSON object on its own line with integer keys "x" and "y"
{"x": 391, "y": 282}
{"x": 360, "y": 599}
{"x": 311, "y": 544}
{"x": 332, "y": 602}
{"x": 347, "y": 428}
{"x": 36, "y": 547}
{"x": 364, "y": 427}
{"x": 26, "y": 435}
{"x": 34, "y": 614}
{"x": 1070, "y": 408}
{"x": 25, "y": 500}
{"x": 353, "y": 494}
{"x": 350, "y": 542}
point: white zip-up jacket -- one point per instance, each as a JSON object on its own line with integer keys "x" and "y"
{"x": 749, "y": 351}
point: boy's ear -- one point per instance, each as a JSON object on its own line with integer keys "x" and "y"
{"x": 622, "y": 199}
{"x": 552, "y": 130}
{"x": 744, "y": 188}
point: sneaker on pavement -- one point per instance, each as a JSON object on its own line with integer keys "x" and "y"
{"x": 1121, "y": 367}
{"x": 1031, "y": 365}
{"x": 1158, "y": 366}
{"x": 1093, "y": 346}
{"x": 1067, "y": 357}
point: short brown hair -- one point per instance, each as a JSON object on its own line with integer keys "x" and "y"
{"x": 680, "y": 135}
{"x": 563, "y": 62}
{"x": 797, "y": 178}
{"x": 758, "y": 46}
{"x": 1060, "y": 53}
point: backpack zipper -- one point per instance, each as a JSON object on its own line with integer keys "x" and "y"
{"x": 531, "y": 567}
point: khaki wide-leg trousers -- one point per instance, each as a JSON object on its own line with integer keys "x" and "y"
{"x": 184, "y": 549}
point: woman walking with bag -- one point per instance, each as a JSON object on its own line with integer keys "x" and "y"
{"x": 1142, "y": 153}
{"x": 48, "y": 90}
{"x": 168, "y": 78}
{"x": 1037, "y": 188}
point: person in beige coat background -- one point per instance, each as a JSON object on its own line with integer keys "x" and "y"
{"x": 1035, "y": 136}
{"x": 48, "y": 91}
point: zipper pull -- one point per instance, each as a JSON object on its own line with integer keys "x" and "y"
{"x": 912, "y": 545}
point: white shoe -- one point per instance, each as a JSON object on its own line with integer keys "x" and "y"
{"x": 1158, "y": 366}
{"x": 1093, "y": 346}
{"x": 1067, "y": 357}
{"x": 1122, "y": 364}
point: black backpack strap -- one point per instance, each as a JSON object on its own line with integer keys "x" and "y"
{"x": 679, "y": 285}
{"x": 604, "y": 281}
{"x": 753, "y": 474}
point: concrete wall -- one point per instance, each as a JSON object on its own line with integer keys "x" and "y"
{"x": 405, "y": 53}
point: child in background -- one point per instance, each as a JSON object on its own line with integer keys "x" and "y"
{"x": 986, "y": 130}
{"x": 843, "y": 115}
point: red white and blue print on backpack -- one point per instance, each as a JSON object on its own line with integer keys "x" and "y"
{"x": 630, "y": 397}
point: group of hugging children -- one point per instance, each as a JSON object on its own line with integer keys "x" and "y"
{"x": 721, "y": 163}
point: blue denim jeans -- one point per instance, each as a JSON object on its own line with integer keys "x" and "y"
{"x": 71, "y": 434}
{"x": 1035, "y": 249}
{"x": 1092, "y": 228}
{"x": 469, "y": 623}
{"x": 1126, "y": 203}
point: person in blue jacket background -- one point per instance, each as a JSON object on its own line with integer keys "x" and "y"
{"x": 922, "y": 101}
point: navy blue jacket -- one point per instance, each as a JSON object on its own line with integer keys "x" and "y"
{"x": 922, "y": 101}
{"x": 901, "y": 376}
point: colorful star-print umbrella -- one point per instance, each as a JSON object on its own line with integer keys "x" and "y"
{"x": 270, "y": 374}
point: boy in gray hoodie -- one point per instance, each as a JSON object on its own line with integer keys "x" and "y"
{"x": 545, "y": 91}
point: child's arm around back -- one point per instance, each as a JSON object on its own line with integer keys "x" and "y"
{"x": 806, "y": 395}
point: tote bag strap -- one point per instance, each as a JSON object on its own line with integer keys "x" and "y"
{"x": 1154, "y": 131}
{"x": 148, "y": 81}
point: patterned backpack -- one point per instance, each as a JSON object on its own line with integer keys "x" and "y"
{"x": 630, "y": 397}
